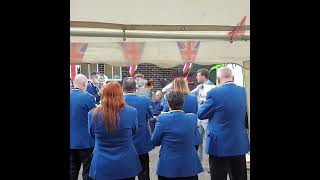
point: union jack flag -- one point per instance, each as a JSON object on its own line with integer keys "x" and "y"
{"x": 188, "y": 51}
{"x": 77, "y": 51}
{"x": 186, "y": 67}
{"x": 132, "y": 52}
{"x": 132, "y": 69}
{"x": 239, "y": 30}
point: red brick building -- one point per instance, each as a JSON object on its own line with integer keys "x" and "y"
{"x": 161, "y": 76}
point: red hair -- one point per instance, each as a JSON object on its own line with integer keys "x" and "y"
{"x": 111, "y": 104}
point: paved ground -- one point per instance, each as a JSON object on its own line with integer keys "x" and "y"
{"x": 154, "y": 154}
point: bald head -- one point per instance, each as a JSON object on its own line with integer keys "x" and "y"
{"x": 225, "y": 74}
{"x": 81, "y": 82}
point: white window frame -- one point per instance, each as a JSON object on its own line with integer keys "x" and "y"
{"x": 111, "y": 79}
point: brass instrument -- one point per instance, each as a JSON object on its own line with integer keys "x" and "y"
{"x": 100, "y": 78}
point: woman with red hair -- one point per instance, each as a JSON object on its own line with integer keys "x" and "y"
{"x": 112, "y": 124}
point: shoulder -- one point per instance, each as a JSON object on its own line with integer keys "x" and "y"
{"x": 90, "y": 85}
{"x": 242, "y": 88}
{"x": 199, "y": 85}
{"x": 164, "y": 117}
{"x": 88, "y": 95}
{"x": 215, "y": 90}
{"x": 209, "y": 82}
{"x": 191, "y": 96}
{"x": 91, "y": 112}
{"x": 129, "y": 109}
{"x": 145, "y": 99}
{"x": 81, "y": 94}
{"x": 191, "y": 116}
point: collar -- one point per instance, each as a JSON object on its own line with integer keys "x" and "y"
{"x": 76, "y": 89}
{"x": 129, "y": 94}
{"x": 227, "y": 82}
{"x": 176, "y": 111}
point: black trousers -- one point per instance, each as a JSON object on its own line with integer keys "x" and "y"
{"x": 179, "y": 178}
{"x": 132, "y": 178}
{"x": 78, "y": 157}
{"x": 144, "y": 160}
{"x": 235, "y": 166}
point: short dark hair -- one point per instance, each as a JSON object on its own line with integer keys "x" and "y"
{"x": 176, "y": 100}
{"x": 93, "y": 74}
{"x": 204, "y": 72}
{"x": 139, "y": 75}
{"x": 129, "y": 84}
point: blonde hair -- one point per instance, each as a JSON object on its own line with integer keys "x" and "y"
{"x": 180, "y": 84}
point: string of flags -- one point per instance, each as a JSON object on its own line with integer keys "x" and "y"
{"x": 132, "y": 51}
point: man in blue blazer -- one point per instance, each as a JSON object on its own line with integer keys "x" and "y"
{"x": 175, "y": 133}
{"x": 142, "y": 137}
{"x": 81, "y": 144}
{"x": 93, "y": 88}
{"x": 226, "y": 136}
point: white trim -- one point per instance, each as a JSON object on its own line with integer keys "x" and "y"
{"x": 89, "y": 71}
{"x": 98, "y": 32}
{"x": 112, "y": 72}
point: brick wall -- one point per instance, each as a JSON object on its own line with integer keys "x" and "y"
{"x": 163, "y": 76}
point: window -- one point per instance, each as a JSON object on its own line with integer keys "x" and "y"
{"x": 112, "y": 72}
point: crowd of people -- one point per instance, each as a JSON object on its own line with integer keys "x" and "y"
{"x": 113, "y": 128}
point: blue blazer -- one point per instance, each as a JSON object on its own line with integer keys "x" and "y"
{"x": 190, "y": 105}
{"x": 142, "y": 138}
{"x": 175, "y": 133}
{"x": 94, "y": 91}
{"x": 157, "y": 107}
{"x": 226, "y": 108}
{"x": 80, "y": 104}
{"x": 114, "y": 155}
